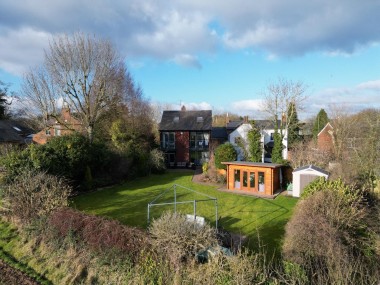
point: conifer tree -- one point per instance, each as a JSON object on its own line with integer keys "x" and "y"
{"x": 277, "y": 148}
{"x": 254, "y": 144}
{"x": 320, "y": 122}
{"x": 293, "y": 125}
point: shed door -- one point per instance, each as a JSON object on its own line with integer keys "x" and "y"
{"x": 305, "y": 180}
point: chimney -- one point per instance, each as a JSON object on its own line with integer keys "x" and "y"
{"x": 65, "y": 112}
{"x": 227, "y": 119}
{"x": 183, "y": 108}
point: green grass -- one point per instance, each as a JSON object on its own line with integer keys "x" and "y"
{"x": 247, "y": 215}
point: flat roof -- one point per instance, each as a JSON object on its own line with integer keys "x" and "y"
{"x": 257, "y": 164}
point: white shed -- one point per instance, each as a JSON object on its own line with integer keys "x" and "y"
{"x": 304, "y": 175}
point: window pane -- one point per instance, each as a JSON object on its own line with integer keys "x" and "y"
{"x": 261, "y": 181}
{"x": 237, "y": 179}
{"x": 245, "y": 179}
{"x": 252, "y": 180}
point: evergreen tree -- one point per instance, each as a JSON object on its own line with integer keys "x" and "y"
{"x": 3, "y": 101}
{"x": 320, "y": 122}
{"x": 293, "y": 125}
{"x": 277, "y": 148}
{"x": 254, "y": 144}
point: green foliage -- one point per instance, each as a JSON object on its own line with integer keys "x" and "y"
{"x": 254, "y": 144}
{"x": 320, "y": 122}
{"x": 224, "y": 153}
{"x": 240, "y": 142}
{"x": 205, "y": 167}
{"x": 321, "y": 184}
{"x": 277, "y": 148}
{"x": 3, "y": 101}
{"x": 69, "y": 156}
{"x": 157, "y": 161}
{"x": 293, "y": 125}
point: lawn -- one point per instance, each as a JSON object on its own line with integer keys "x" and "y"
{"x": 246, "y": 215}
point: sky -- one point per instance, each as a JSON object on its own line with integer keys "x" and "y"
{"x": 212, "y": 54}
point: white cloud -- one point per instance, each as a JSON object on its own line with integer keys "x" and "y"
{"x": 187, "y": 60}
{"x": 21, "y": 48}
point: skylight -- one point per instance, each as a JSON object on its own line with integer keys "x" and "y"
{"x": 199, "y": 119}
{"x": 176, "y": 119}
{"x": 17, "y": 129}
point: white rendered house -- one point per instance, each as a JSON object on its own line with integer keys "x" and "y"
{"x": 266, "y": 128}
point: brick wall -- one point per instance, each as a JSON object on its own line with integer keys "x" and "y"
{"x": 182, "y": 140}
{"x": 325, "y": 139}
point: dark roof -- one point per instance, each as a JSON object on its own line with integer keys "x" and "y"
{"x": 233, "y": 125}
{"x": 311, "y": 167}
{"x": 13, "y": 132}
{"x": 248, "y": 163}
{"x": 266, "y": 124}
{"x": 219, "y": 133}
{"x": 186, "y": 121}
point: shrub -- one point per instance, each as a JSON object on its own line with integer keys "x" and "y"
{"x": 329, "y": 236}
{"x": 224, "y": 152}
{"x": 205, "y": 167}
{"x": 157, "y": 161}
{"x": 34, "y": 195}
{"x": 97, "y": 233}
{"x": 178, "y": 239}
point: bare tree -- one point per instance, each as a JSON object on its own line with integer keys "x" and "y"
{"x": 279, "y": 96}
{"x": 82, "y": 70}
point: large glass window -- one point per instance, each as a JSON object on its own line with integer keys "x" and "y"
{"x": 199, "y": 140}
{"x": 168, "y": 140}
{"x": 261, "y": 181}
{"x": 245, "y": 179}
{"x": 252, "y": 181}
{"x": 237, "y": 179}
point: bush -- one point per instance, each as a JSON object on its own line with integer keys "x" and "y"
{"x": 70, "y": 156}
{"x": 178, "y": 239}
{"x": 157, "y": 161}
{"x": 34, "y": 195}
{"x": 224, "y": 153}
{"x": 97, "y": 233}
{"x": 330, "y": 237}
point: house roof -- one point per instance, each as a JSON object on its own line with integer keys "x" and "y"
{"x": 13, "y": 132}
{"x": 200, "y": 120}
{"x": 257, "y": 164}
{"x": 233, "y": 125}
{"x": 325, "y": 127}
{"x": 219, "y": 133}
{"x": 311, "y": 167}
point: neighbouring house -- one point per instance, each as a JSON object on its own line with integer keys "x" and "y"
{"x": 267, "y": 129}
{"x": 325, "y": 138}
{"x": 67, "y": 124}
{"x": 264, "y": 179}
{"x": 185, "y": 136}
{"x": 15, "y": 133}
{"x": 303, "y": 176}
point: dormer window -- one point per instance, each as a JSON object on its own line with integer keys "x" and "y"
{"x": 199, "y": 119}
{"x": 176, "y": 119}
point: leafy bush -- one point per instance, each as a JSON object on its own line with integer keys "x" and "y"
{"x": 34, "y": 195}
{"x": 157, "y": 161}
{"x": 178, "y": 239}
{"x": 70, "y": 156}
{"x": 332, "y": 237}
{"x": 224, "y": 153}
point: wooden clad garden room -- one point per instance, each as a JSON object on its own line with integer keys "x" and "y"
{"x": 254, "y": 177}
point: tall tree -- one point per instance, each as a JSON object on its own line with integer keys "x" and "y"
{"x": 320, "y": 122}
{"x": 293, "y": 125}
{"x": 3, "y": 101}
{"x": 277, "y": 147}
{"x": 277, "y": 99}
{"x": 254, "y": 144}
{"x": 84, "y": 71}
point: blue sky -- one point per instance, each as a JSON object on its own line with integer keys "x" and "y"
{"x": 214, "y": 54}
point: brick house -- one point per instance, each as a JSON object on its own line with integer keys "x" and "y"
{"x": 325, "y": 139}
{"x": 185, "y": 136}
{"x": 67, "y": 124}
